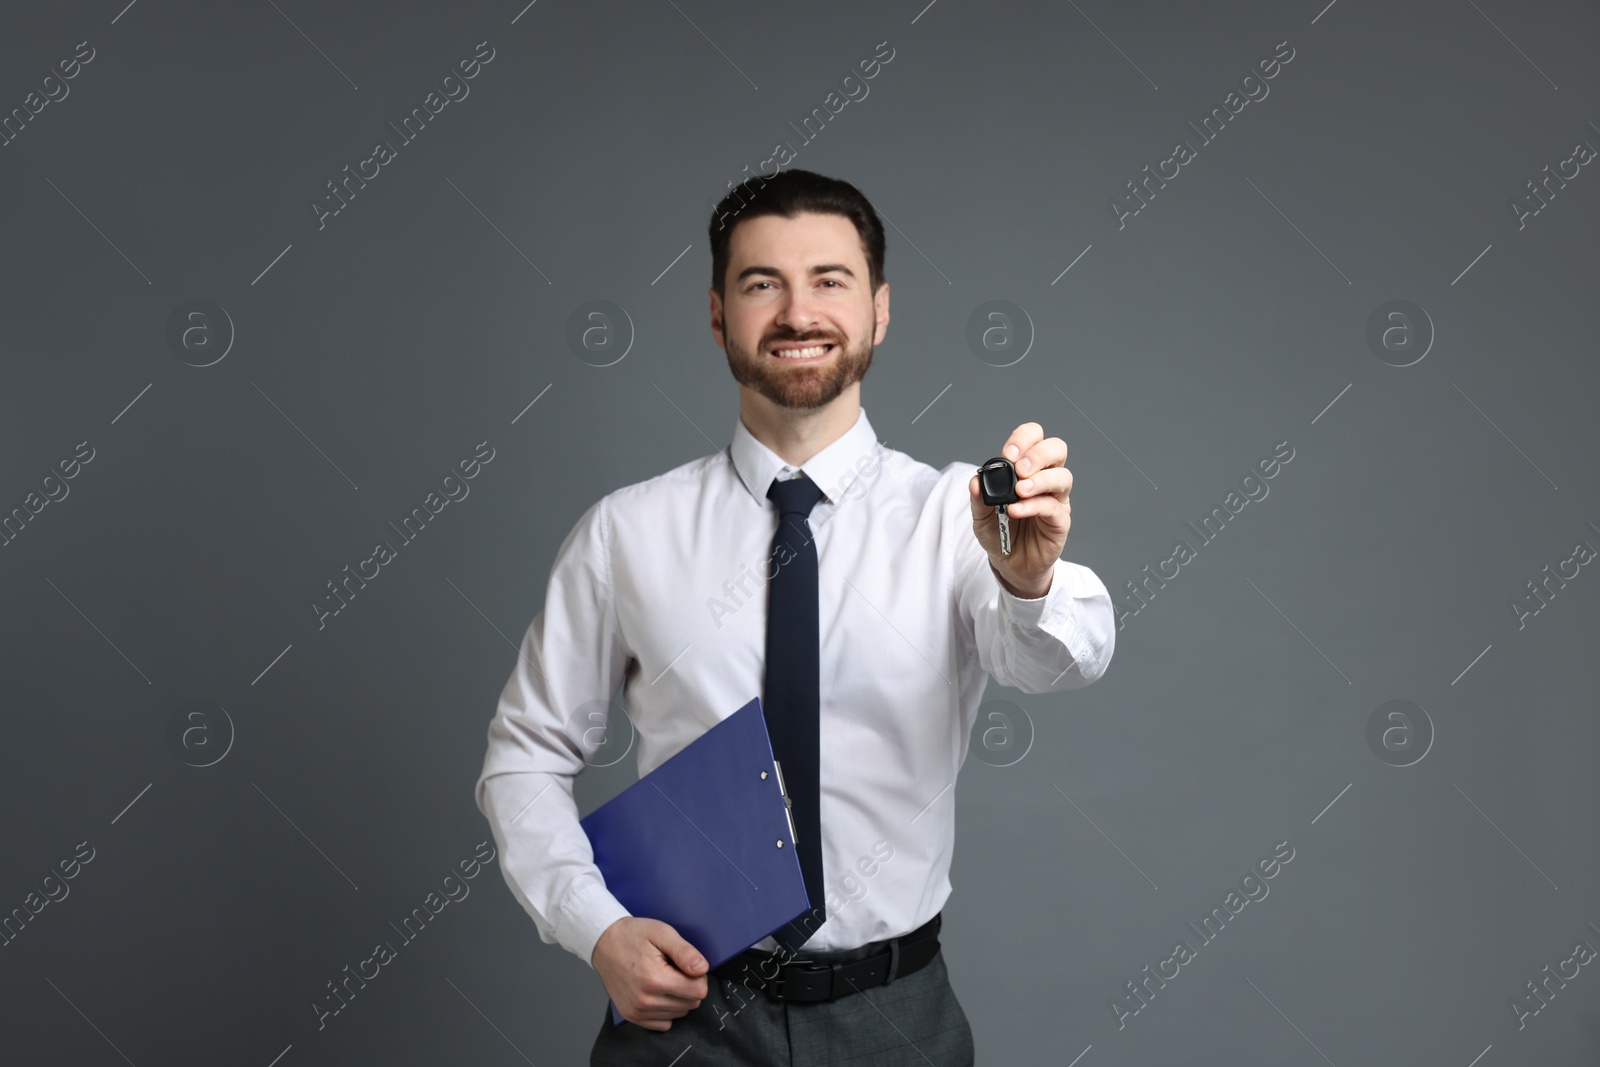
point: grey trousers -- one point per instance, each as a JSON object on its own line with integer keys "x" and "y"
{"x": 914, "y": 1021}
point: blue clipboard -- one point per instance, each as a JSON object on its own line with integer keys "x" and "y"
{"x": 705, "y": 842}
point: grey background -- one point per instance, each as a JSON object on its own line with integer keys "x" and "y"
{"x": 1225, "y": 317}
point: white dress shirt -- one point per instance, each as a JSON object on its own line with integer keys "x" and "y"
{"x": 661, "y": 588}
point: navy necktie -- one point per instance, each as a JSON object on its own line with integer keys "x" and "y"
{"x": 792, "y": 694}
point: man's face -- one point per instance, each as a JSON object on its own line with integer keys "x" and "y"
{"x": 798, "y": 285}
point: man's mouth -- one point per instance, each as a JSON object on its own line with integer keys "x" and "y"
{"x": 801, "y": 353}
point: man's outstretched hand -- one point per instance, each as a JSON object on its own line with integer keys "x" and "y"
{"x": 651, "y": 973}
{"x": 1039, "y": 520}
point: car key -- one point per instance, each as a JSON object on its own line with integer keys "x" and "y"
{"x": 997, "y": 481}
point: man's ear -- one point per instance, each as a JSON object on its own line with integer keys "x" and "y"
{"x": 880, "y": 309}
{"x": 716, "y": 318}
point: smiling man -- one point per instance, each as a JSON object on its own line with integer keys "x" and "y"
{"x": 887, "y": 606}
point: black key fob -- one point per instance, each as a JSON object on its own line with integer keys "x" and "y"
{"x": 997, "y": 481}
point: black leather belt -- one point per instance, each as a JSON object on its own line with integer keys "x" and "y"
{"x": 810, "y": 981}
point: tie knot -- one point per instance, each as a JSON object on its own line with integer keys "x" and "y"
{"x": 794, "y": 496}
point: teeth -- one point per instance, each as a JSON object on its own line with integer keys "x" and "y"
{"x": 801, "y": 353}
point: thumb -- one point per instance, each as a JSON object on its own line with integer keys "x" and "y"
{"x": 979, "y": 508}
{"x": 683, "y": 955}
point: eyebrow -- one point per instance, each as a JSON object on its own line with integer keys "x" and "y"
{"x": 772, "y": 272}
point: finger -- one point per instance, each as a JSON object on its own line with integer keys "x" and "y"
{"x": 1022, "y": 438}
{"x": 681, "y": 1003}
{"x": 675, "y": 984}
{"x": 1050, "y": 481}
{"x": 667, "y": 1007}
{"x": 1050, "y": 452}
{"x": 1040, "y": 503}
{"x": 980, "y": 510}
{"x": 1047, "y": 508}
{"x": 682, "y": 954}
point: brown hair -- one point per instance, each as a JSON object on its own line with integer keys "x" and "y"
{"x": 788, "y": 194}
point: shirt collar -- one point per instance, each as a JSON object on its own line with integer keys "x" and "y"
{"x": 832, "y": 469}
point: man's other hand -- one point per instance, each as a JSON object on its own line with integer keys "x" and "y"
{"x": 651, "y": 973}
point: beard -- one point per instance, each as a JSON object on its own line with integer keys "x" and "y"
{"x": 800, "y": 386}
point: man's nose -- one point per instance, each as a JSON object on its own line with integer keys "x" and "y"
{"x": 798, "y": 311}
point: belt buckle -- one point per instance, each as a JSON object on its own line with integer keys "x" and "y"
{"x": 805, "y": 981}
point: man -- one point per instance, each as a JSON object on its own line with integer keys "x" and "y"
{"x": 888, "y": 604}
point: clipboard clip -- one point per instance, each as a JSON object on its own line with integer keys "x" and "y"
{"x": 788, "y": 805}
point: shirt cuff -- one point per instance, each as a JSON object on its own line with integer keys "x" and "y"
{"x": 585, "y": 913}
{"x": 1027, "y": 609}
{"x": 1054, "y": 613}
